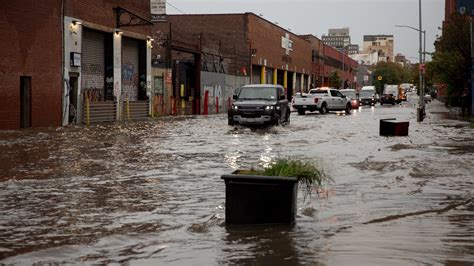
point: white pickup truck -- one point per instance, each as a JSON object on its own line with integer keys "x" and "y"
{"x": 322, "y": 100}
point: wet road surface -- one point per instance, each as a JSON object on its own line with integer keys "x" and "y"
{"x": 151, "y": 193}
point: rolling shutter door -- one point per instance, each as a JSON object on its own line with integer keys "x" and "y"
{"x": 130, "y": 56}
{"x": 93, "y": 54}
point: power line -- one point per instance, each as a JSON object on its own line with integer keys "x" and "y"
{"x": 175, "y": 7}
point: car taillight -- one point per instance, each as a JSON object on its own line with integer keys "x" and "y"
{"x": 316, "y": 100}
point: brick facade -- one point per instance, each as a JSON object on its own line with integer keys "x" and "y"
{"x": 216, "y": 36}
{"x": 30, "y": 45}
{"x": 266, "y": 37}
{"x": 245, "y": 40}
{"x": 101, "y": 12}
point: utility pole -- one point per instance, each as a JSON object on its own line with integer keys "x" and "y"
{"x": 472, "y": 70}
{"x": 421, "y": 108}
{"x": 343, "y": 68}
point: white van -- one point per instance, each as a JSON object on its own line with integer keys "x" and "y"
{"x": 367, "y": 95}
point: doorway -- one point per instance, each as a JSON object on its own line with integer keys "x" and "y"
{"x": 25, "y": 102}
{"x": 73, "y": 99}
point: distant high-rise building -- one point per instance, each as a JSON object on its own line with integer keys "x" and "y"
{"x": 341, "y": 40}
{"x": 382, "y": 44}
{"x": 338, "y": 38}
{"x": 353, "y": 49}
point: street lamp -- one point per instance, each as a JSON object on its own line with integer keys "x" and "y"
{"x": 421, "y": 109}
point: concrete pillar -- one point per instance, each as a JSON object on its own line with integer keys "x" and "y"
{"x": 302, "y": 83}
{"x": 275, "y": 76}
{"x": 118, "y": 73}
{"x": 263, "y": 75}
{"x": 294, "y": 83}
{"x": 285, "y": 79}
{"x": 149, "y": 92}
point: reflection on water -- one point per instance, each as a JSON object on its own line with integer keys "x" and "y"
{"x": 151, "y": 193}
{"x": 259, "y": 245}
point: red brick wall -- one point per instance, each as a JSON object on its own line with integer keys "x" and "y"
{"x": 266, "y": 38}
{"x": 317, "y": 68}
{"x": 221, "y": 34}
{"x": 331, "y": 52}
{"x": 450, "y": 7}
{"x": 30, "y": 45}
{"x": 101, "y": 12}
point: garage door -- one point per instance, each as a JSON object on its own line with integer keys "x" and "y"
{"x": 130, "y": 56}
{"x": 93, "y": 70}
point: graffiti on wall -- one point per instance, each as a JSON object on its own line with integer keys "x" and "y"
{"x": 129, "y": 81}
{"x": 93, "y": 81}
{"x": 214, "y": 92}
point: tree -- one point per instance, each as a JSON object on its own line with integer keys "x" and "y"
{"x": 452, "y": 58}
{"x": 391, "y": 73}
{"x": 334, "y": 80}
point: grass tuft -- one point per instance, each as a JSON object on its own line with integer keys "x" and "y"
{"x": 308, "y": 175}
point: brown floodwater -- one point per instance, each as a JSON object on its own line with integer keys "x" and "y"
{"x": 151, "y": 192}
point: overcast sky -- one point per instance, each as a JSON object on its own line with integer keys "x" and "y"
{"x": 317, "y": 16}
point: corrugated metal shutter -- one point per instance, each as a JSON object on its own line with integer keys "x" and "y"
{"x": 130, "y": 68}
{"x": 93, "y": 60}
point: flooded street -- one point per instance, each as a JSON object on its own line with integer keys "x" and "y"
{"x": 151, "y": 192}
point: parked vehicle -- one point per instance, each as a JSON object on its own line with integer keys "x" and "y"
{"x": 353, "y": 95}
{"x": 367, "y": 95}
{"x": 394, "y": 90}
{"x": 387, "y": 99}
{"x": 259, "y": 105}
{"x": 404, "y": 89}
{"x": 427, "y": 98}
{"x": 322, "y": 100}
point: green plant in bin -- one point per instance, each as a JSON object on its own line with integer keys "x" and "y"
{"x": 308, "y": 175}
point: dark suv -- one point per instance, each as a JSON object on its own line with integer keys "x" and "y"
{"x": 259, "y": 105}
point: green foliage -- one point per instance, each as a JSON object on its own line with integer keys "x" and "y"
{"x": 452, "y": 59}
{"x": 392, "y": 73}
{"x": 334, "y": 80}
{"x": 307, "y": 173}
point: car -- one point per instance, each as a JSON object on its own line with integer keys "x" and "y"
{"x": 354, "y": 97}
{"x": 387, "y": 98}
{"x": 263, "y": 104}
{"x": 427, "y": 98}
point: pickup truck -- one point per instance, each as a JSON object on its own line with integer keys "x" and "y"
{"x": 322, "y": 100}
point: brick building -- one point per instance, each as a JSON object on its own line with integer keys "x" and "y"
{"x": 56, "y": 55}
{"x": 224, "y": 51}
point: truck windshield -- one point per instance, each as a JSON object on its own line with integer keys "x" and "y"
{"x": 366, "y": 94}
{"x": 350, "y": 94}
{"x": 257, "y": 93}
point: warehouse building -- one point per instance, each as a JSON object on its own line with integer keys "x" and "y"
{"x": 67, "y": 61}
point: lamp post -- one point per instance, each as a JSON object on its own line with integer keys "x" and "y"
{"x": 343, "y": 68}
{"x": 422, "y": 53}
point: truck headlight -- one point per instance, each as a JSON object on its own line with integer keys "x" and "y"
{"x": 235, "y": 107}
{"x": 270, "y": 107}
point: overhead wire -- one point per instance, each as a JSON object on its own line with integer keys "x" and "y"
{"x": 180, "y": 10}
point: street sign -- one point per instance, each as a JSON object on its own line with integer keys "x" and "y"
{"x": 379, "y": 78}
{"x": 423, "y": 68}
